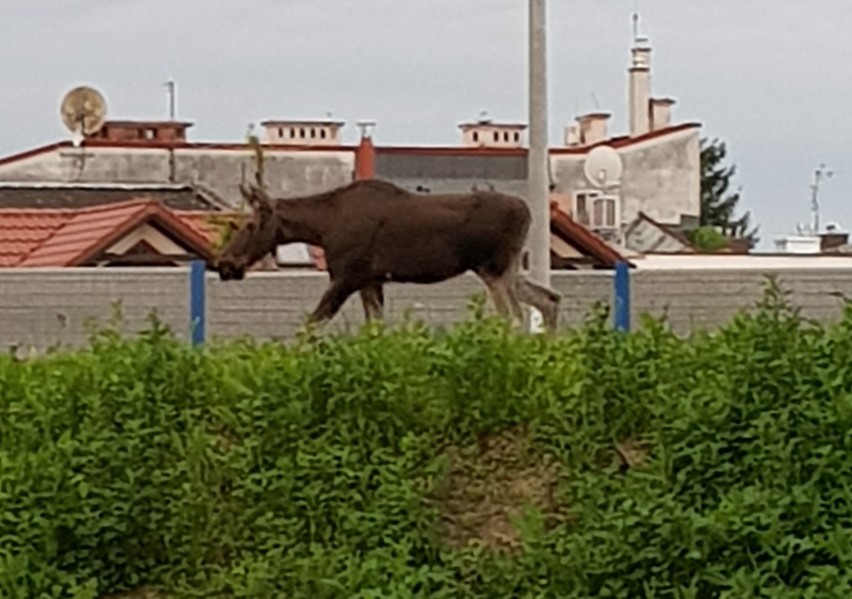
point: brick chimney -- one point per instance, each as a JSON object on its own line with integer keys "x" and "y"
{"x": 365, "y": 155}
{"x": 640, "y": 88}
{"x": 142, "y": 131}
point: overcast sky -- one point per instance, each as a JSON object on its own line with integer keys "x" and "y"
{"x": 767, "y": 76}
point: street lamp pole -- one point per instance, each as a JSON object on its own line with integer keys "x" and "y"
{"x": 538, "y": 192}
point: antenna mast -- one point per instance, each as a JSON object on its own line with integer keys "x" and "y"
{"x": 635, "y": 21}
{"x": 170, "y": 86}
{"x": 820, "y": 172}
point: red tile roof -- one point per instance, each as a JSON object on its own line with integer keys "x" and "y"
{"x": 67, "y": 237}
{"x": 583, "y": 239}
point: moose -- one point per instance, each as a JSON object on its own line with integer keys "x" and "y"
{"x": 373, "y": 232}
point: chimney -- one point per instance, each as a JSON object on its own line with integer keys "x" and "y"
{"x": 640, "y": 89}
{"x": 572, "y": 135}
{"x": 365, "y": 154}
{"x": 661, "y": 114}
{"x": 832, "y": 238}
{"x": 485, "y": 133}
{"x": 303, "y": 133}
{"x": 593, "y": 128}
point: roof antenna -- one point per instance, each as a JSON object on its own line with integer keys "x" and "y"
{"x": 635, "y": 21}
{"x": 170, "y": 86}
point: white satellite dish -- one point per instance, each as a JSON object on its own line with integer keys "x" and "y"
{"x": 603, "y": 167}
{"x": 83, "y": 111}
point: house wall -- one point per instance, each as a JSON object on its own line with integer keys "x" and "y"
{"x": 41, "y": 308}
{"x": 453, "y": 173}
{"x": 288, "y": 173}
{"x": 661, "y": 177}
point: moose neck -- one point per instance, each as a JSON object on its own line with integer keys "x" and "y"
{"x": 307, "y": 217}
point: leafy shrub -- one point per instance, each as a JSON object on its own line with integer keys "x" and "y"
{"x": 259, "y": 470}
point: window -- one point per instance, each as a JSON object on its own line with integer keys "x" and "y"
{"x": 322, "y": 133}
{"x": 517, "y": 136}
{"x": 292, "y": 133}
{"x": 302, "y": 133}
{"x": 476, "y": 136}
{"x": 595, "y": 210}
{"x": 582, "y": 205}
{"x": 280, "y": 131}
{"x": 605, "y": 212}
{"x": 496, "y": 136}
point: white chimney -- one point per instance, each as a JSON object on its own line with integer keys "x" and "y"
{"x": 640, "y": 90}
{"x": 593, "y": 128}
{"x": 572, "y": 135}
{"x": 303, "y": 133}
{"x": 661, "y": 115}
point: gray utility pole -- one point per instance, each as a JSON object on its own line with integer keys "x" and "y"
{"x": 538, "y": 192}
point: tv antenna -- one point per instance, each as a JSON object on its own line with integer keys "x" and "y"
{"x": 820, "y": 172}
{"x": 637, "y": 39}
{"x": 172, "y": 94}
{"x": 83, "y": 112}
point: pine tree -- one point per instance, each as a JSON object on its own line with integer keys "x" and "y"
{"x": 718, "y": 203}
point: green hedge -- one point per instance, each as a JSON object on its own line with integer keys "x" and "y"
{"x": 319, "y": 469}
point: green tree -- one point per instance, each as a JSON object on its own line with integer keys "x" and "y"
{"x": 718, "y": 201}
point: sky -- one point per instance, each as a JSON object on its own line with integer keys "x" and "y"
{"x": 765, "y": 76}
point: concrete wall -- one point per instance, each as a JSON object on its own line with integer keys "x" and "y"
{"x": 450, "y": 173}
{"x": 662, "y": 177}
{"x": 288, "y": 173}
{"x": 42, "y": 308}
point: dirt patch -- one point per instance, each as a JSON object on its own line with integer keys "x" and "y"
{"x": 489, "y": 486}
{"x": 630, "y": 453}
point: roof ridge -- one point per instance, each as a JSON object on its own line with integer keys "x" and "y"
{"x": 74, "y": 211}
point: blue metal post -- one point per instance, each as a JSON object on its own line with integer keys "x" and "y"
{"x": 622, "y": 296}
{"x": 197, "y": 293}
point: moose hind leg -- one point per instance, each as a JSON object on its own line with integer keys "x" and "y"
{"x": 501, "y": 294}
{"x": 331, "y": 301}
{"x": 544, "y": 299}
{"x": 373, "y": 301}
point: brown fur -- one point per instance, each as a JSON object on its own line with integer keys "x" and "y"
{"x": 373, "y": 232}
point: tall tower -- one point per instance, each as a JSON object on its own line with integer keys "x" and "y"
{"x": 640, "y": 82}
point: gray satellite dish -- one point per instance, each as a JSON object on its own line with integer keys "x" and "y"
{"x": 83, "y": 111}
{"x": 603, "y": 167}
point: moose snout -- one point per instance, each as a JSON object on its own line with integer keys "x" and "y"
{"x": 229, "y": 271}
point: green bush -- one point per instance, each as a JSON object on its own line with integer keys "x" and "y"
{"x": 312, "y": 470}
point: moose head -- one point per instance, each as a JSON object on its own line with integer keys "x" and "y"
{"x": 257, "y": 237}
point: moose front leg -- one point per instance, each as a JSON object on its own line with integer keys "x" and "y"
{"x": 331, "y": 301}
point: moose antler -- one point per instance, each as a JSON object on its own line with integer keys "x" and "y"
{"x": 257, "y": 198}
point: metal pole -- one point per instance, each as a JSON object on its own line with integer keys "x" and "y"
{"x": 621, "y": 313}
{"x": 197, "y": 301}
{"x": 538, "y": 192}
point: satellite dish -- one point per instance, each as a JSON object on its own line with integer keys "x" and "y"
{"x": 603, "y": 167}
{"x": 83, "y": 111}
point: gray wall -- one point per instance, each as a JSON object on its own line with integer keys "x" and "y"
{"x": 453, "y": 173}
{"x": 41, "y": 308}
{"x": 288, "y": 173}
{"x": 661, "y": 177}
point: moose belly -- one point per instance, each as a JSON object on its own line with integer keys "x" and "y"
{"x": 423, "y": 260}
